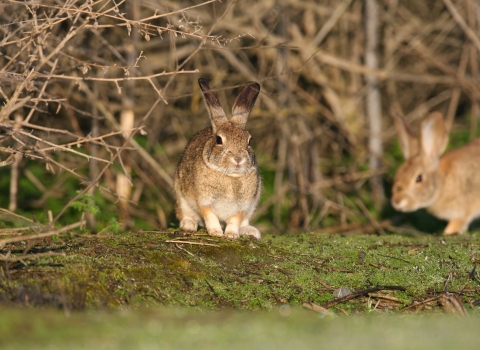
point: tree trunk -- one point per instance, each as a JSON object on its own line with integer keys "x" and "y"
{"x": 127, "y": 116}
{"x": 373, "y": 100}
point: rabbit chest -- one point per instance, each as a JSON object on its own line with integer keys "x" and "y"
{"x": 229, "y": 196}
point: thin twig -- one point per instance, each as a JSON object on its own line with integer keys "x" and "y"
{"x": 183, "y": 249}
{"x": 193, "y": 243}
{"x": 417, "y": 303}
{"x": 317, "y": 308}
{"x": 30, "y": 256}
{"x": 360, "y": 293}
{"x": 117, "y": 80}
{"x": 5, "y": 241}
{"x": 369, "y": 216}
{"x": 16, "y": 215}
{"x": 59, "y": 147}
{"x": 461, "y": 22}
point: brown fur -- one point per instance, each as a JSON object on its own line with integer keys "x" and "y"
{"x": 208, "y": 182}
{"x": 219, "y": 182}
{"x": 449, "y": 185}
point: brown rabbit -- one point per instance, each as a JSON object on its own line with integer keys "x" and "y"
{"x": 217, "y": 179}
{"x": 447, "y": 186}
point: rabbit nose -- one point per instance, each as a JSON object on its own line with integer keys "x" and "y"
{"x": 396, "y": 201}
{"x": 238, "y": 159}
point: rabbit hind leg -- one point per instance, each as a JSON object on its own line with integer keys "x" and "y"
{"x": 247, "y": 230}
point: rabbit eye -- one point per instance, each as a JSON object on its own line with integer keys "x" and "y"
{"x": 250, "y": 139}
{"x": 419, "y": 178}
{"x": 219, "y": 140}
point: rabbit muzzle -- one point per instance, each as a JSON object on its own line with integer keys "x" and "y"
{"x": 401, "y": 204}
{"x": 239, "y": 165}
{"x": 405, "y": 202}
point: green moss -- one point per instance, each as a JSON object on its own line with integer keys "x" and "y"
{"x": 144, "y": 269}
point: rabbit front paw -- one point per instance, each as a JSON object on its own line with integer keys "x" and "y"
{"x": 230, "y": 234}
{"x": 455, "y": 227}
{"x": 250, "y": 231}
{"x": 215, "y": 232}
{"x": 188, "y": 226}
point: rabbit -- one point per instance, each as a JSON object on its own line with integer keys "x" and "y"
{"x": 217, "y": 179}
{"x": 447, "y": 186}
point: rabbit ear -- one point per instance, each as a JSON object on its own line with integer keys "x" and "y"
{"x": 433, "y": 138}
{"x": 215, "y": 110}
{"x": 244, "y": 103}
{"x": 408, "y": 141}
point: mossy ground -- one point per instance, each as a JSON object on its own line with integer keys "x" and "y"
{"x": 145, "y": 269}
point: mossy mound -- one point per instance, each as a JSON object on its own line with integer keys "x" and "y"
{"x": 143, "y": 269}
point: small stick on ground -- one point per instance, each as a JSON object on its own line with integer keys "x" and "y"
{"x": 360, "y": 293}
{"x": 194, "y": 243}
{"x": 472, "y": 274}
{"x": 29, "y": 256}
{"x": 394, "y": 257}
{"x": 317, "y": 308}
{"x": 186, "y": 251}
{"x": 418, "y": 303}
{"x": 452, "y": 303}
{"x": 321, "y": 282}
{"x": 385, "y": 297}
{"x": 447, "y": 281}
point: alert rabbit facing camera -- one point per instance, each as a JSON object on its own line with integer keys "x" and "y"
{"x": 448, "y": 185}
{"x": 217, "y": 180}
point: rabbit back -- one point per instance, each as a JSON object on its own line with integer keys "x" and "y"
{"x": 459, "y": 173}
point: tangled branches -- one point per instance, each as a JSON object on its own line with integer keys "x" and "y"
{"x": 99, "y": 99}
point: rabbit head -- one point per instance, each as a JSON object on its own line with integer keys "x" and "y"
{"x": 228, "y": 150}
{"x": 416, "y": 183}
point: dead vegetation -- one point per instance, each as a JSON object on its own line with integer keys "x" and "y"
{"x": 102, "y": 97}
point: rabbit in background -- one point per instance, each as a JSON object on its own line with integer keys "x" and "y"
{"x": 447, "y": 186}
{"x": 216, "y": 179}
